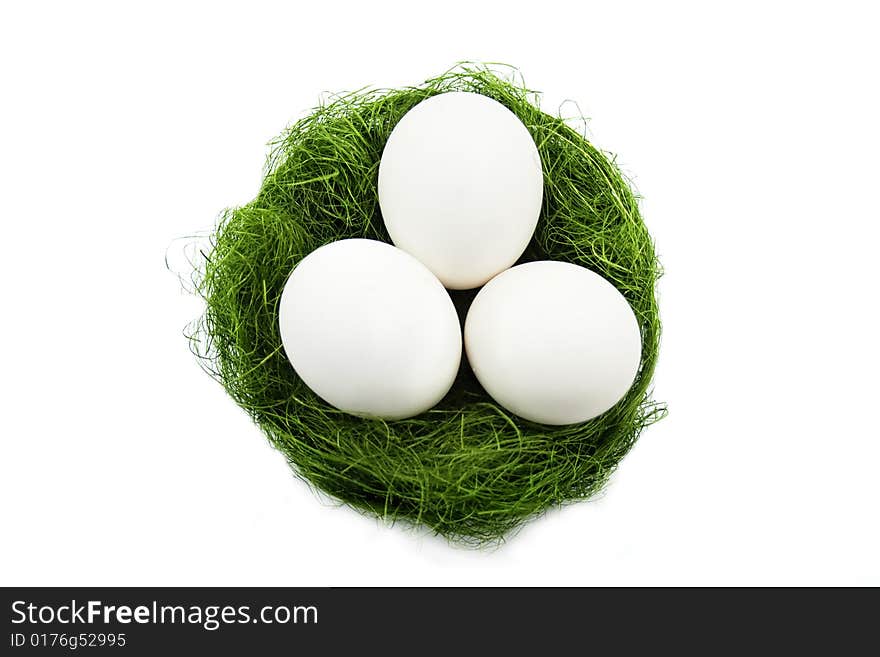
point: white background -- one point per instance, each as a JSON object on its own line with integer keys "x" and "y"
{"x": 751, "y": 132}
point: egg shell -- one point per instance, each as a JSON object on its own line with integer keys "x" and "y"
{"x": 370, "y": 330}
{"x": 460, "y": 187}
{"x": 553, "y": 342}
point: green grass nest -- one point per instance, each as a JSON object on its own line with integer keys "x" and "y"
{"x": 467, "y": 468}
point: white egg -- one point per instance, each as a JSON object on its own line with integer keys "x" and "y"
{"x": 553, "y": 342}
{"x": 370, "y": 330}
{"x": 460, "y": 187}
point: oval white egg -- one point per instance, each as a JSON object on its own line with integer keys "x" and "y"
{"x": 460, "y": 187}
{"x": 370, "y": 330}
{"x": 553, "y": 342}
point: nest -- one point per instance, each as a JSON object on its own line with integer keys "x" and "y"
{"x": 467, "y": 468}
